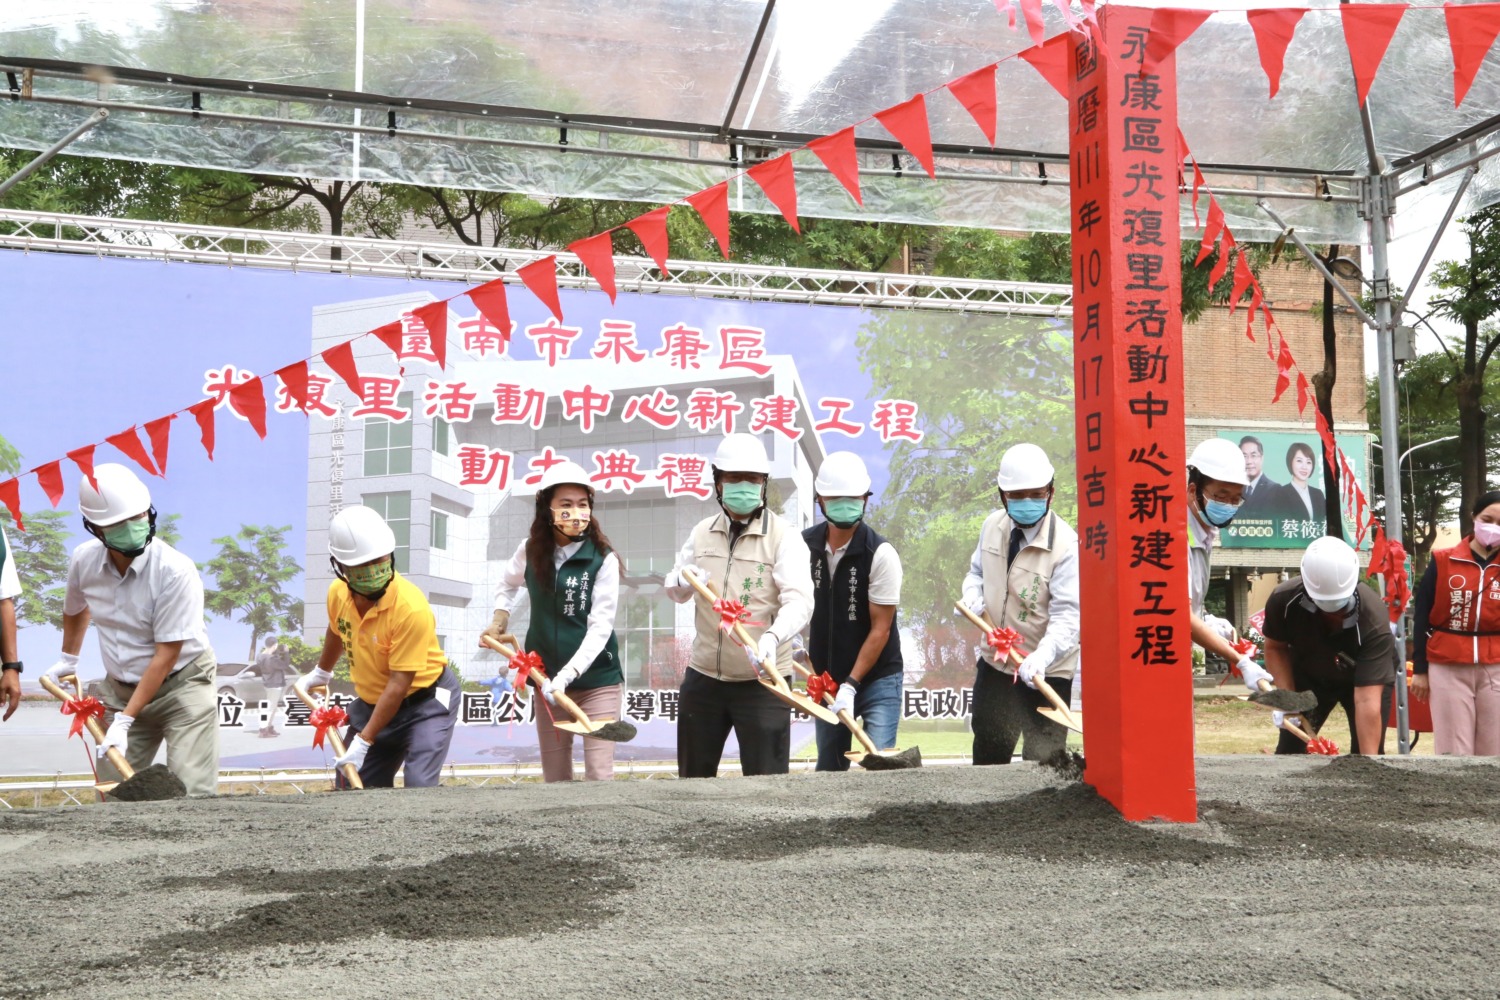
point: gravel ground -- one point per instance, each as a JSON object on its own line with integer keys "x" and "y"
{"x": 1306, "y": 878}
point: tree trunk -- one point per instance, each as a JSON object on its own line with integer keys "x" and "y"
{"x": 1323, "y": 383}
{"x": 335, "y": 207}
{"x": 1467, "y": 391}
{"x": 254, "y": 644}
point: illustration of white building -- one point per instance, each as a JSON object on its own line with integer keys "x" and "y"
{"x": 644, "y": 409}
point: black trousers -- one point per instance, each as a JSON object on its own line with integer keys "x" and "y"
{"x": 1330, "y": 695}
{"x": 1005, "y": 713}
{"x": 707, "y": 709}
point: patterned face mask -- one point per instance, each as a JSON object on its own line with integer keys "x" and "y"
{"x": 369, "y": 581}
{"x": 571, "y": 521}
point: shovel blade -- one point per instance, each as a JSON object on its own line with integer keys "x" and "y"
{"x": 1073, "y": 721}
{"x": 577, "y": 728}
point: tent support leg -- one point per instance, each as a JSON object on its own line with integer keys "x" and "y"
{"x": 96, "y": 118}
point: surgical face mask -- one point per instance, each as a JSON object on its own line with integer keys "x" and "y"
{"x": 741, "y": 498}
{"x": 1334, "y": 607}
{"x": 129, "y": 537}
{"x": 370, "y": 581}
{"x": 844, "y": 512}
{"x": 571, "y": 521}
{"x": 1218, "y": 513}
{"x": 1487, "y": 534}
{"x": 1026, "y": 512}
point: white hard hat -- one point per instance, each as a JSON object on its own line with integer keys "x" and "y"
{"x": 564, "y": 472}
{"x": 843, "y": 474}
{"x": 121, "y": 495}
{"x": 1330, "y": 569}
{"x": 357, "y": 535}
{"x": 1221, "y": 459}
{"x": 1024, "y": 467}
{"x": 740, "y": 452}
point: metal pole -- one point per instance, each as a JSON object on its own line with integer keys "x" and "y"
{"x": 20, "y": 175}
{"x": 1317, "y": 262}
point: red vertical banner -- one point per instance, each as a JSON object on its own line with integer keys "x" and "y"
{"x": 1127, "y": 367}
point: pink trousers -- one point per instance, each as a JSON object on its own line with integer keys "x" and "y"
{"x": 557, "y": 745}
{"x": 1465, "y": 708}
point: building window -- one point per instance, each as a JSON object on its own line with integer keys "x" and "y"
{"x": 441, "y": 437}
{"x": 439, "y": 530}
{"x": 388, "y": 444}
{"x": 396, "y": 509}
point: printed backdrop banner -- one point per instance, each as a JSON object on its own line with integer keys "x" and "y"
{"x": 1284, "y": 507}
{"x": 639, "y": 393}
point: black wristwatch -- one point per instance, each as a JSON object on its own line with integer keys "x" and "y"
{"x": 852, "y": 683}
{"x": 16, "y": 666}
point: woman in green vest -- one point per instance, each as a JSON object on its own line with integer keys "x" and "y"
{"x": 570, "y": 572}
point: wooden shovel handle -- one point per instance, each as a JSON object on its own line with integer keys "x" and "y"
{"x": 1015, "y": 656}
{"x": 974, "y": 619}
{"x": 1295, "y": 730}
{"x": 846, "y": 718}
{"x": 351, "y": 773}
{"x": 95, "y": 730}
{"x": 568, "y": 704}
{"x": 706, "y": 591}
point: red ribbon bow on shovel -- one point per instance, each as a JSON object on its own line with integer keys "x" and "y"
{"x": 1245, "y": 648}
{"x": 326, "y": 718}
{"x": 82, "y": 710}
{"x": 1320, "y": 745}
{"x": 820, "y": 684}
{"x": 1002, "y": 641}
{"x": 527, "y": 663}
{"x": 732, "y": 612}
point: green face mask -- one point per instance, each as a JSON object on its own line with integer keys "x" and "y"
{"x": 742, "y": 498}
{"x": 127, "y": 536}
{"x": 844, "y": 512}
{"x": 370, "y": 580}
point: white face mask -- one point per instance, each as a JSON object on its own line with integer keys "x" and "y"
{"x": 1333, "y": 607}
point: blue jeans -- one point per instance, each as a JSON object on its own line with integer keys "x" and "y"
{"x": 877, "y": 705}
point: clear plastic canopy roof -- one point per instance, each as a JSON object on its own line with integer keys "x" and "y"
{"x": 656, "y": 99}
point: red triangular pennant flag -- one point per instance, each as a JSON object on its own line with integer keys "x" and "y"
{"x": 907, "y": 121}
{"x": 1006, "y": 7}
{"x": 131, "y": 445}
{"x": 1211, "y": 230}
{"x": 1170, "y": 27}
{"x": 597, "y": 254}
{"x": 1221, "y": 266}
{"x": 203, "y": 412}
{"x": 1368, "y": 29}
{"x": 1051, "y": 60}
{"x": 652, "y": 229}
{"x": 712, "y": 205}
{"x": 1301, "y": 393}
{"x": 434, "y": 319}
{"x": 249, "y": 400}
{"x": 50, "y": 476}
{"x": 159, "y": 430}
{"x": 294, "y": 377}
{"x": 541, "y": 277}
{"x": 1256, "y": 301}
{"x": 839, "y": 155}
{"x": 1035, "y": 23}
{"x": 489, "y": 299}
{"x": 1284, "y": 365}
{"x": 1471, "y": 32}
{"x": 976, "y": 92}
{"x": 340, "y": 358}
{"x": 1242, "y": 280}
{"x": 1273, "y": 33}
{"x": 779, "y": 181}
{"x": 1379, "y": 553}
{"x": 84, "y": 459}
{"x": 390, "y": 335}
{"x": 10, "y": 495}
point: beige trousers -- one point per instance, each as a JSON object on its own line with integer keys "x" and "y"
{"x": 557, "y": 746}
{"x": 1465, "y": 708}
{"x": 184, "y": 714}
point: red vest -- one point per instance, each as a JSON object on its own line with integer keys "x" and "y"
{"x": 1465, "y": 616}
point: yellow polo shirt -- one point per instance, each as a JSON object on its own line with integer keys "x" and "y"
{"x": 398, "y": 634}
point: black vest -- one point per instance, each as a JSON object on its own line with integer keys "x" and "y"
{"x": 841, "y": 607}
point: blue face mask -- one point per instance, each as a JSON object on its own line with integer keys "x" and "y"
{"x": 1026, "y": 512}
{"x": 1218, "y": 513}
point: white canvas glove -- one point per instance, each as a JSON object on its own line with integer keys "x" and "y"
{"x": 678, "y": 580}
{"x": 1280, "y": 719}
{"x": 1252, "y": 674}
{"x": 66, "y": 666}
{"x": 316, "y": 677}
{"x": 843, "y": 700}
{"x": 976, "y": 604}
{"x": 118, "y": 734}
{"x": 766, "y": 650}
{"x": 1221, "y": 628}
{"x": 1030, "y": 669}
{"x": 550, "y": 687}
{"x": 355, "y": 753}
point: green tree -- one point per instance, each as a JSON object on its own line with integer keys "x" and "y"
{"x": 249, "y": 578}
{"x": 41, "y": 554}
{"x": 1473, "y": 297}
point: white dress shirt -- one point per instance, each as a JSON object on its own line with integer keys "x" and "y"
{"x": 885, "y": 571}
{"x": 512, "y": 594}
{"x": 158, "y": 599}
